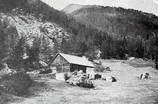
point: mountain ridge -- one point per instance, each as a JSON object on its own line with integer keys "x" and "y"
{"x": 72, "y": 7}
{"x": 104, "y": 18}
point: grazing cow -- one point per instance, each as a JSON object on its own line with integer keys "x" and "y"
{"x": 67, "y": 76}
{"x": 114, "y": 79}
{"x": 111, "y": 79}
{"x": 144, "y": 76}
{"x": 97, "y": 76}
{"x": 107, "y": 69}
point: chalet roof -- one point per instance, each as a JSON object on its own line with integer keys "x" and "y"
{"x": 77, "y": 60}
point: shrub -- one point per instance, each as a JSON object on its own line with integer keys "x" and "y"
{"x": 99, "y": 68}
{"x": 46, "y": 71}
{"x": 16, "y": 84}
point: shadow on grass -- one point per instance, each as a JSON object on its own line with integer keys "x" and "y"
{"x": 15, "y": 88}
{"x": 36, "y": 88}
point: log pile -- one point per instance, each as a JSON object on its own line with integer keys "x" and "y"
{"x": 80, "y": 80}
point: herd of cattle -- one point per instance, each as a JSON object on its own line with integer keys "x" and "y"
{"x": 78, "y": 78}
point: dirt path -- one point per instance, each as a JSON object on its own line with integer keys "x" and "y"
{"x": 128, "y": 90}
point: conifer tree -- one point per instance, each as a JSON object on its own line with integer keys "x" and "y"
{"x": 156, "y": 56}
{"x": 16, "y": 57}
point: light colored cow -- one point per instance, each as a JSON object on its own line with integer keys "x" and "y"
{"x": 144, "y": 76}
{"x": 111, "y": 79}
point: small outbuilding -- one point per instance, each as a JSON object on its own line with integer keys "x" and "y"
{"x": 70, "y": 63}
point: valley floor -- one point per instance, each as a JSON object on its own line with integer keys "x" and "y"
{"x": 127, "y": 90}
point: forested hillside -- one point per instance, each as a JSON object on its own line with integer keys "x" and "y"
{"x": 31, "y": 26}
{"x": 25, "y": 38}
{"x": 129, "y": 31}
{"x": 116, "y": 21}
{"x": 30, "y": 34}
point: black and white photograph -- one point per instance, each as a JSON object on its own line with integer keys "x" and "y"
{"x": 78, "y": 51}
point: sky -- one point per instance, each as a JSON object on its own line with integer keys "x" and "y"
{"x": 149, "y": 6}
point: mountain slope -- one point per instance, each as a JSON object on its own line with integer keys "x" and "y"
{"x": 72, "y": 7}
{"x": 30, "y": 27}
{"x": 27, "y": 28}
{"x": 26, "y": 35}
{"x": 124, "y": 32}
{"x": 25, "y": 23}
{"x": 116, "y": 21}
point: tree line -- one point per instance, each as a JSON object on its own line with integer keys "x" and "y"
{"x": 84, "y": 41}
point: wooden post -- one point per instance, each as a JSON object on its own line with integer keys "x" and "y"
{"x": 156, "y": 43}
{"x": 156, "y": 60}
{"x": 62, "y": 68}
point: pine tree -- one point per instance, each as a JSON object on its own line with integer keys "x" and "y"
{"x": 156, "y": 51}
{"x": 4, "y": 46}
{"x": 45, "y": 50}
{"x": 33, "y": 53}
{"x": 16, "y": 57}
{"x": 106, "y": 48}
{"x": 66, "y": 46}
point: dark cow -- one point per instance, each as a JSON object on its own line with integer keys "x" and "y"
{"x": 97, "y": 76}
{"x": 111, "y": 79}
{"x": 144, "y": 76}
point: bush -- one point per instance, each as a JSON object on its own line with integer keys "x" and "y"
{"x": 46, "y": 71}
{"x": 16, "y": 84}
{"x": 66, "y": 76}
{"x": 86, "y": 83}
{"x": 100, "y": 68}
